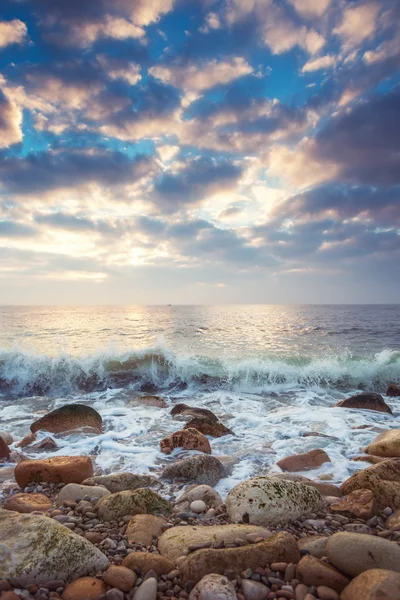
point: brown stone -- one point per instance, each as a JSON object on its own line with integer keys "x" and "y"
{"x": 382, "y": 479}
{"x": 189, "y": 439}
{"x": 208, "y": 427}
{"x": 27, "y": 440}
{"x": 393, "y": 390}
{"x": 304, "y": 462}
{"x": 10, "y": 596}
{"x": 315, "y": 545}
{"x": 326, "y": 489}
{"x": 46, "y": 444}
{"x": 58, "y": 469}
{"x": 67, "y": 418}
{"x": 120, "y": 577}
{"x": 84, "y": 588}
{"x": 147, "y": 561}
{"x": 359, "y": 504}
{"x": 387, "y": 444}
{"x": 394, "y": 520}
{"x": 373, "y": 460}
{"x": 374, "y": 584}
{"x": 313, "y": 571}
{"x": 143, "y": 528}
{"x": 366, "y": 401}
{"x": 281, "y": 547}
{"x": 27, "y": 503}
{"x": 184, "y": 409}
{"x": 4, "y": 449}
{"x": 156, "y": 401}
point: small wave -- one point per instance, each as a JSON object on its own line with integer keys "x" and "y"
{"x": 25, "y": 374}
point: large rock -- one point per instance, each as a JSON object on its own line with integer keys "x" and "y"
{"x": 375, "y": 584}
{"x": 199, "y": 469}
{"x": 84, "y": 588}
{"x": 359, "y": 504}
{"x": 314, "y": 545}
{"x": 27, "y": 503}
{"x": 148, "y": 561}
{"x": 387, "y": 444}
{"x": 213, "y": 587}
{"x": 267, "y": 501}
{"x": 191, "y": 411}
{"x": 7, "y": 437}
{"x": 313, "y": 571}
{"x": 206, "y": 493}
{"x": 281, "y": 547}
{"x": 68, "y": 418}
{"x": 73, "y": 492}
{"x": 304, "y": 462}
{"x": 208, "y": 427}
{"x": 143, "y": 528}
{"x": 383, "y": 479}
{"x": 141, "y": 501}
{"x": 120, "y": 482}
{"x": 325, "y": 489}
{"x": 188, "y": 439}
{"x": 354, "y": 553}
{"x": 59, "y": 469}
{"x": 176, "y": 540}
{"x": 36, "y": 549}
{"x": 366, "y": 400}
{"x": 4, "y": 449}
{"x": 393, "y": 390}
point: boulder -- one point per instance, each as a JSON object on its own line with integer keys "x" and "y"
{"x": 359, "y": 504}
{"x": 156, "y": 401}
{"x": 191, "y": 411}
{"x": 67, "y": 418}
{"x": 281, "y": 547}
{"x": 393, "y": 390}
{"x": 120, "y": 482}
{"x": 267, "y": 501}
{"x": 140, "y": 501}
{"x": 35, "y": 549}
{"x": 58, "y": 469}
{"x": 213, "y": 587}
{"x": 73, "y": 492}
{"x": 4, "y": 450}
{"x": 314, "y": 545}
{"x": 375, "y": 584}
{"x": 175, "y": 541}
{"x": 200, "y": 469}
{"x": 205, "y": 493}
{"x": 383, "y": 479}
{"x": 316, "y": 572}
{"x": 148, "y": 561}
{"x": 304, "y": 462}
{"x": 27, "y": 503}
{"x": 354, "y": 553}
{"x": 366, "y": 400}
{"x": 84, "y": 588}
{"x": 188, "y": 439}
{"x": 325, "y": 489}
{"x": 208, "y": 427}
{"x": 7, "y": 437}
{"x": 387, "y": 444}
{"x": 143, "y": 528}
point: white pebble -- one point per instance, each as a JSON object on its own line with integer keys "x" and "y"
{"x": 198, "y": 506}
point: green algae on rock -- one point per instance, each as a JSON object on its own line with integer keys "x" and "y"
{"x": 120, "y": 482}
{"x": 132, "y": 502}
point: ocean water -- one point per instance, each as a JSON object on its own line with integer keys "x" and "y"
{"x": 272, "y": 373}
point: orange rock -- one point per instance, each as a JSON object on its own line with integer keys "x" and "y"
{"x": 120, "y": 577}
{"x": 304, "y": 462}
{"x": 84, "y": 588}
{"x": 143, "y": 528}
{"x": 27, "y": 503}
{"x": 156, "y": 401}
{"x": 393, "y": 390}
{"x": 359, "y": 504}
{"x": 67, "y": 418}
{"x": 366, "y": 400}
{"x": 208, "y": 427}
{"x": 189, "y": 439}
{"x": 59, "y": 469}
{"x": 4, "y": 449}
{"x": 147, "y": 561}
{"x": 369, "y": 459}
{"x": 27, "y": 440}
{"x": 192, "y": 411}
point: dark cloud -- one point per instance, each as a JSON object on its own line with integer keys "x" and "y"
{"x": 14, "y": 229}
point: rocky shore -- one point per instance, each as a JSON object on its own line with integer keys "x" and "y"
{"x": 68, "y": 532}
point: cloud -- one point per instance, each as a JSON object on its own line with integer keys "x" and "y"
{"x": 12, "y": 32}
{"x": 212, "y": 22}
{"x": 230, "y": 212}
{"x": 11, "y": 229}
{"x": 200, "y": 77}
{"x": 118, "y": 69}
{"x": 324, "y": 62}
{"x": 386, "y": 50}
{"x": 358, "y": 23}
{"x": 310, "y": 8}
{"x": 10, "y": 121}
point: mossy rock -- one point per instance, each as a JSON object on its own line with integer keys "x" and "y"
{"x": 136, "y": 502}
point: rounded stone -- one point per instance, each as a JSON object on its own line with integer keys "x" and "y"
{"x": 120, "y": 577}
{"x": 72, "y": 492}
{"x": 27, "y": 503}
{"x": 374, "y": 584}
{"x": 69, "y": 418}
{"x": 254, "y": 590}
{"x": 7, "y": 437}
{"x": 213, "y": 587}
{"x": 147, "y": 590}
{"x": 148, "y": 561}
{"x": 198, "y": 506}
{"x": 85, "y": 588}
{"x": 59, "y": 469}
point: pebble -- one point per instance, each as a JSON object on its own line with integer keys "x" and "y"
{"x": 326, "y": 593}
{"x": 253, "y": 590}
{"x": 148, "y": 590}
{"x": 198, "y": 506}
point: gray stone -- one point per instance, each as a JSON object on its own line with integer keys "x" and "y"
{"x": 142, "y": 501}
{"x": 73, "y": 492}
{"x": 120, "y": 482}
{"x": 253, "y": 590}
{"x": 7, "y": 437}
{"x": 213, "y": 587}
{"x": 202, "y": 468}
{"x": 147, "y": 590}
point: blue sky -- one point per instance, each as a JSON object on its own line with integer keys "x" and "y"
{"x": 205, "y": 151}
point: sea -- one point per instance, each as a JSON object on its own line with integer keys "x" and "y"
{"x": 272, "y": 373}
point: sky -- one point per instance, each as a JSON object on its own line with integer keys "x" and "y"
{"x": 199, "y": 151}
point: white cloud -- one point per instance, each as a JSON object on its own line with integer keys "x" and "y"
{"x": 212, "y": 22}
{"x": 324, "y": 62}
{"x": 358, "y": 23}
{"x": 10, "y": 120}
{"x": 202, "y": 77}
{"x": 129, "y": 73}
{"x": 384, "y": 51}
{"x": 310, "y": 8}
{"x": 167, "y": 152}
{"x": 12, "y": 32}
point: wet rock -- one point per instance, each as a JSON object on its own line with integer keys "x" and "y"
{"x": 148, "y": 561}
{"x": 200, "y": 469}
{"x": 304, "y": 462}
{"x": 387, "y": 444}
{"x": 121, "y": 482}
{"x": 120, "y": 577}
{"x": 27, "y": 440}
{"x": 267, "y": 501}
{"x": 313, "y": 571}
{"x": 191, "y": 411}
{"x": 84, "y": 588}
{"x": 354, "y": 553}
{"x": 317, "y": 434}
{"x": 36, "y": 549}
{"x": 148, "y": 590}
{"x": 314, "y": 545}
{"x": 213, "y": 587}
{"x": 45, "y": 445}
{"x": 253, "y": 590}
{"x": 59, "y": 469}
{"x": 188, "y": 439}
{"x": 4, "y": 449}
{"x": 27, "y": 503}
{"x": 359, "y": 504}
{"x": 7, "y": 437}
{"x": 280, "y": 547}
{"x": 366, "y": 400}
{"x": 141, "y": 501}
{"x": 143, "y": 528}
{"x": 375, "y": 584}
{"x": 73, "y": 492}
{"x": 174, "y": 542}
{"x": 208, "y": 427}
{"x": 326, "y": 489}
{"x": 393, "y": 390}
{"x": 373, "y": 460}
{"x": 383, "y": 479}
{"x": 156, "y": 401}
{"x": 67, "y": 418}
